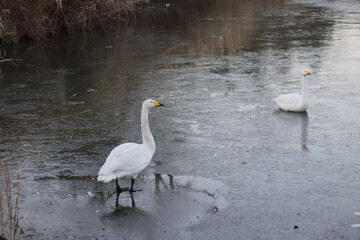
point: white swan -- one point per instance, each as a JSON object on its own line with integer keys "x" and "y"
{"x": 129, "y": 159}
{"x": 295, "y": 102}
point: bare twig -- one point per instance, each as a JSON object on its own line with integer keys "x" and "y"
{"x": 16, "y": 207}
{"x": 2, "y": 224}
{"x": 11, "y": 61}
{"x": 8, "y": 196}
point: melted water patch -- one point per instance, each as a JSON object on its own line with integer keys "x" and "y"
{"x": 166, "y": 207}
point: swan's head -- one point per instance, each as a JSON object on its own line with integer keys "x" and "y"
{"x": 306, "y": 73}
{"x": 149, "y": 103}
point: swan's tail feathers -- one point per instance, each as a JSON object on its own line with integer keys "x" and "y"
{"x": 105, "y": 178}
{"x": 277, "y": 100}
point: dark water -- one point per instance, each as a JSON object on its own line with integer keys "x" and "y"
{"x": 228, "y": 164}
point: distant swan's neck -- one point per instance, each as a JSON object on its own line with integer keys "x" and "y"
{"x": 303, "y": 89}
{"x": 147, "y": 137}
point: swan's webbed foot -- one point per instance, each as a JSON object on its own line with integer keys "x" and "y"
{"x": 132, "y": 190}
{"x": 135, "y": 190}
{"x": 120, "y": 190}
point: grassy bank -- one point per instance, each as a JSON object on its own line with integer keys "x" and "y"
{"x": 27, "y": 19}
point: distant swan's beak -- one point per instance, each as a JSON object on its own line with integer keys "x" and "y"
{"x": 307, "y": 73}
{"x": 158, "y": 104}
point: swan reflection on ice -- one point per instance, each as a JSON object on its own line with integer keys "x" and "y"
{"x": 168, "y": 202}
{"x": 296, "y": 118}
{"x": 188, "y": 185}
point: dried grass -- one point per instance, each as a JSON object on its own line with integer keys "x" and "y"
{"x": 9, "y": 217}
{"x": 28, "y": 19}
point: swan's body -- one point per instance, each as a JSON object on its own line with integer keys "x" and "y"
{"x": 129, "y": 159}
{"x": 295, "y": 102}
{"x": 292, "y": 102}
{"x": 125, "y": 161}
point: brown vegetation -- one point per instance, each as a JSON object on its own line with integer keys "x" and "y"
{"x": 28, "y": 19}
{"x": 9, "y": 220}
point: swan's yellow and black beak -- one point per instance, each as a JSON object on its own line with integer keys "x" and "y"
{"x": 307, "y": 73}
{"x": 158, "y": 104}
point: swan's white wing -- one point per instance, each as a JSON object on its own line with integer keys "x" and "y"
{"x": 289, "y": 101}
{"x": 126, "y": 160}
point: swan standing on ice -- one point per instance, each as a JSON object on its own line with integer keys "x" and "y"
{"x": 129, "y": 159}
{"x": 294, "y": 102}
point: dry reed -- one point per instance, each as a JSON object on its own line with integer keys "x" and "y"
{"x": 9, "y": 224}
{"x": 27, "y": 19}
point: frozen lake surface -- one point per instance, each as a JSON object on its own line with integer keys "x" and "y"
{"x": 228, "y": 164}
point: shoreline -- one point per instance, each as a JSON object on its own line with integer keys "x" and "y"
{"x": 31, "y": 21}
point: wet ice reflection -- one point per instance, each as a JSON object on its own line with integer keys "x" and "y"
{"x": 133, "y": 222}
{"x": 294, "y": 119}
{"x": 167, "y": 206}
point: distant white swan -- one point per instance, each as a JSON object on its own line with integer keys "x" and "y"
{"x": 129, "y": 159}
{"x": 294, "y": 102}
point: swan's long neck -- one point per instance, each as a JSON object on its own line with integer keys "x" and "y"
{"x": 147, "y": 137}
{"x": 303, "y": 89}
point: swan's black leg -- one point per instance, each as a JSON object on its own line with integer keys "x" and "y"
{"x": 119, "y": 189}
{"x": 132, "y": 187}
{"x": 132, "y": 200}
{"x": 117, "y": 199}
